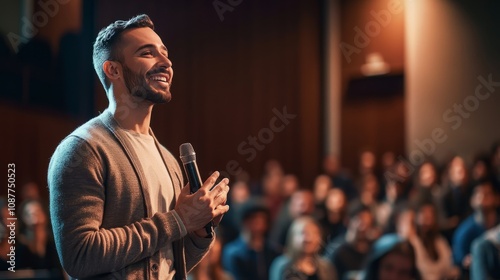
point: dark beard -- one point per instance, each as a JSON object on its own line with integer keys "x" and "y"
{"x": 140, "y": 90}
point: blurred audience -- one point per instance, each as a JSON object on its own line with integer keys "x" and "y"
{"x": 301, "y": 259}
{"x": 440, "y": 222}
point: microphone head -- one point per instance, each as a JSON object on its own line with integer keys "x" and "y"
{"x": 187, "y": 153}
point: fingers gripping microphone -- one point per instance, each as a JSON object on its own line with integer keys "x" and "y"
{"x": 188, "y": 158}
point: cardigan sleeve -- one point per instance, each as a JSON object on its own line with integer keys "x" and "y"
{"x": 76, "y": 179}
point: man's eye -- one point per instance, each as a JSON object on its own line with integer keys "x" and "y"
{"x": 147, "y": 53}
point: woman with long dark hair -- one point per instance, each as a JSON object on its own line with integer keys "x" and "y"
{"x": 301, "y": 260}
{"x": 432, "y": 251}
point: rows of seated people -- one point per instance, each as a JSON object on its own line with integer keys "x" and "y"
{"x": 431, "y": 222}
{"x": 438, "y": 222}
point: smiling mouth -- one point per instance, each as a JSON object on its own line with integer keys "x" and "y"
{"x": 159, "y": 78}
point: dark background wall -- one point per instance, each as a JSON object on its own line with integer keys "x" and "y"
{"x": 373, "y": 113}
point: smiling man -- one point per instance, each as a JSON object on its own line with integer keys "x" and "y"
{"x": 117, "y": 204}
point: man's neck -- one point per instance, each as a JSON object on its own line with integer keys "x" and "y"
{"x": 131, "y": 114}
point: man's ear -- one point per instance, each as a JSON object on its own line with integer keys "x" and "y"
{"x": 112, "y": 69}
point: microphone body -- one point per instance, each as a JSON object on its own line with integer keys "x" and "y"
{"x": 193, "y": 176}
{"x": 188, "y": 158}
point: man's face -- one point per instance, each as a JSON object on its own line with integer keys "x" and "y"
{"x": 484, "y": 197}
{"x": 307, "y": 238}
{"x": 147, "y": 71}
{"x": 257, "y": 223}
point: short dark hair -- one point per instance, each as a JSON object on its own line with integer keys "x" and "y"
{"x": 251, "y": 207}
{"x": 107, "y": 39}
{"x": 385, "y": 245}
{"x": 485, "y": 182}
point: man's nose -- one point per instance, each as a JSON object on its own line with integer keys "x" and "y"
{"x": 165, "y": 62}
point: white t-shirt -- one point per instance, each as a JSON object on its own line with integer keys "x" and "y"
{"x": 161, "y": 190}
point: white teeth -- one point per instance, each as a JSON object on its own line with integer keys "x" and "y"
{"x": 159, "y": 78}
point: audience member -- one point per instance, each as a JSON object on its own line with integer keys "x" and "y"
{"x": 387, "y": 211}
{"x": 495, "y": 164}
{"x": 229, "y": 226}
{"x": 35, "y": 234}
{"x": 391, "y": 258}
{"x": 480, "y": 170}
{"x": 405, "y": 225}
{"x": 367, "y": 164}
{"x": 484, "y": 201}
{"x": 387, "y": 162}
{"x": 23, "y": 258}
{"x": 348, "y": 256}
{"x": 271, "y": 187}
{"x": 334, "y": 220}
{"x": 456, "y": 196}
{"x": 30, "y": 191}
{"x": 426, "y": 187}
{"x": 301, "y": 203}
{"x": 251, "y": 255}
{"x": 289, "y": 185}
{"x": 369, "y": 194}
{"x": 401, "y": 173}
{"x": 486, "y": 256}
{"x": 432, "y": 251}
{"x": 210, "y": 266}
{"x": 322, "y": 184}
{"x": 301, "y": 259}
{"x": 340, "y": 177}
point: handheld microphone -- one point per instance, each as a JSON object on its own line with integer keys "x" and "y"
{"x": 188, "y": 158}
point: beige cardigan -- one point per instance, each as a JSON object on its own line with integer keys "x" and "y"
{"x": 100, "y": 210}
